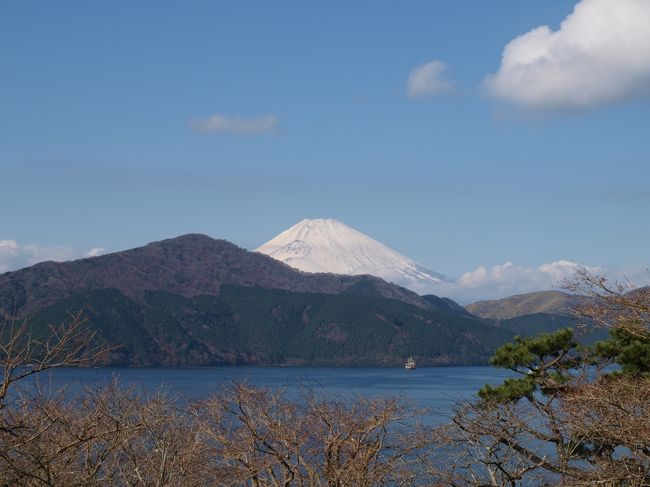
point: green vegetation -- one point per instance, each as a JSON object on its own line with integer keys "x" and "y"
{"x": 566, "y": 418}
{"x": 546, "y": 362}
{"x": 575, "y": 414}
{"x": 548, "y": 302}
{"x": 269, "y": 326}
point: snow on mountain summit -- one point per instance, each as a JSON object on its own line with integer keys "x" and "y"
{"x": 327, "y": 245}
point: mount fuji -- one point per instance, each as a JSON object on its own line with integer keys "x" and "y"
{"x": 327, "y": 245}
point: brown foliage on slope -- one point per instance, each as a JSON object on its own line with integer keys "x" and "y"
{"x": 188, "y": 265}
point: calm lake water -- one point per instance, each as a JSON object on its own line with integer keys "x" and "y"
{"x": 436, "y": 388}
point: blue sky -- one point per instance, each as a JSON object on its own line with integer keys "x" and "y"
{"x": 101, "y": 105}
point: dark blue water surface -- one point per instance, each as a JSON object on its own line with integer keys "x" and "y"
{"x": 435, "y": 388}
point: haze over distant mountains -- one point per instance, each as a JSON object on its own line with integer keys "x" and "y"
{"x": 327, "y": 245}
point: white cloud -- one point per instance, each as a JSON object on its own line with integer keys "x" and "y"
{"x": 14, "y": 255}
{"x": 599, "y": 55}
{"x": 221, "y": 124}
{"x": 428, "y": 80}
{"x": 507, "y": 279}
{"x": 96, "y": 252}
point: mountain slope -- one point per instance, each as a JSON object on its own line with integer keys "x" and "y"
{"x": 193, "y": 300}
{"x": 188, "y": 265}
{"x": 548, "y": 302}
{"x": 327, "y": 245}
{"x": 251, "y": 325}
{"x": 446, "y": 305}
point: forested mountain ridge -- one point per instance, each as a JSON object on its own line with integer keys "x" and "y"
{"x": 188, "y": 265}
{"x": 252, "y": 325}
{"x": 193, "y": 300}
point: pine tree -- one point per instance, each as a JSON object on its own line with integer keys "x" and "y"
{"x": 572, "y": 414}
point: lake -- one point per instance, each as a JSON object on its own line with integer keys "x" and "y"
{"x": 435, "y": 388}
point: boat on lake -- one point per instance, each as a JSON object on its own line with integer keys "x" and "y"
{"x": 410, "y": 364}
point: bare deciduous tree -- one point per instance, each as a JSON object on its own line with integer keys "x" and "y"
{"x": 23, "y": 354}
{"x": 262, "y": 439}
{"x": 566, "y": 418}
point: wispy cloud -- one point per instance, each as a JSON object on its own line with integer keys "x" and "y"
{"x": 14, "y": 255}
{"x": 428, "y": 80}
{"x": 96, "y": 252}
{"x": 222, "y": 124}
{"x": 599, "y": 55}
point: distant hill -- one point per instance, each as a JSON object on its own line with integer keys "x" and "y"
{"x": 541, "y": 312}
{"x": 535, "y": 323}
{"x": 547, "y": 302}
{"x": 193, "y": 300}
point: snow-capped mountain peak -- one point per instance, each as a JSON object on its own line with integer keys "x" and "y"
{"x": 327, "y": 245}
